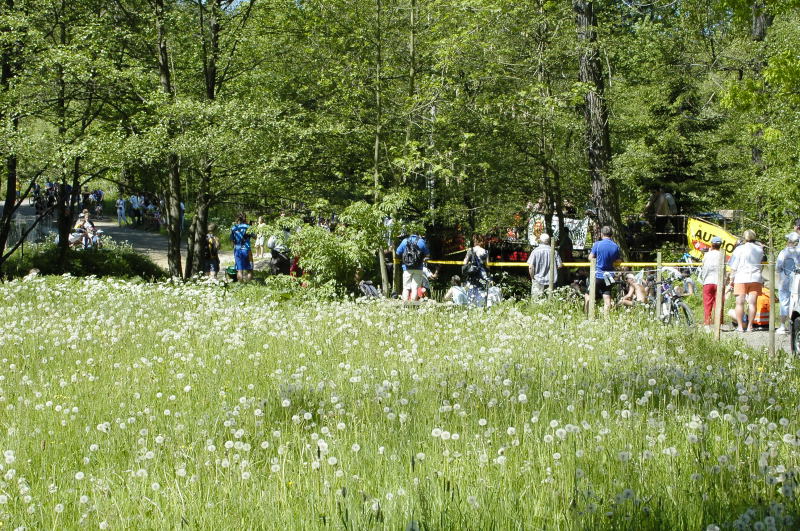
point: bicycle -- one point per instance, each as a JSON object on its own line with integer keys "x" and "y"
{"x": 673, "y": 309}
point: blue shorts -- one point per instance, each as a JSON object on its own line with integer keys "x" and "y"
{"x": 242, "y": 258}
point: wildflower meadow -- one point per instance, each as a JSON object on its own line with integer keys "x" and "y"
{"x": 128, "y": 405}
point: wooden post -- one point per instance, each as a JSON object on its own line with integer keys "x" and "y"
{"x": 719, "y": 302}
{"x": 552, "y": 267}
{"x": 772, "y": 291}
{"x": 592, "y": 286}
{"x": 658, "y": 285}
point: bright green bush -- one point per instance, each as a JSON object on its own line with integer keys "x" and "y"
{"x": 114, "y": 259}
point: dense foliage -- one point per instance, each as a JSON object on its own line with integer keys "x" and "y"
{"x": 112, "y": 260}
{"x": 473, "y": 107}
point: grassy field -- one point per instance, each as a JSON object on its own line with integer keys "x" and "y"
{"x": 158, "y": 406}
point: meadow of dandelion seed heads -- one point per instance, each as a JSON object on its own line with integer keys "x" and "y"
{"x": 150, "y": 406}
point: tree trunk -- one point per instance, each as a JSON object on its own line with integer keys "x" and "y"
{"x": 762, "y": 20}
{"x": 7, "y": 72}
{"x": 201, "y": 229}
{"x": 595, "y": 112}
{"x": 376, "y": 155}
{"x": 173, "y": 188}
{"x": 173, "y": 201}
{"x": 191, "y": 258}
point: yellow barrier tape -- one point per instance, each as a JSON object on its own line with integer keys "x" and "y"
{"x": 569, "y": 264}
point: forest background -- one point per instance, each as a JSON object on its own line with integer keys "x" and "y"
{"x": 454, "y": 113}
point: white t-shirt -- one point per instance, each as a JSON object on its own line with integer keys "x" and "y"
{"x": 120, "y": 204}
{"x": 746, "y": 261}
{"x": 710, "y": 270}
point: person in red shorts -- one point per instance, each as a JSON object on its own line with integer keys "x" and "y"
{"x": 709, "y": 275}
{"x": 746, "y": 279}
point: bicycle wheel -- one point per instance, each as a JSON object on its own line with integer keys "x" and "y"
{"x": 682, "y": 314}
{"x": 667, "y": 312}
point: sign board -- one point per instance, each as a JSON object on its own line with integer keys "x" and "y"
{"x": 699, "y": 234}
{"x": 578, "y": 230}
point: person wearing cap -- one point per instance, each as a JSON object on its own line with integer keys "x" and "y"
{"x": 539, "y": 265}
{"x": 746, "y": 279}
{"x": 788, "y": 260}
{"x": 709, "y": 276}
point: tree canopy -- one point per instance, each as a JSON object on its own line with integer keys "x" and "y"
{"x": 470, "y": 109}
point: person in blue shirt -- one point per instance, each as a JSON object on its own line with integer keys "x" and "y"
{"x": 242, "y": 254}
{"x": 607, "y": 254}
{"x": 412, "y": 252}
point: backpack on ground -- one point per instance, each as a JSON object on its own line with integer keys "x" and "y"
{"x": 412, "y": 254}
{"x": 368, "y": 289}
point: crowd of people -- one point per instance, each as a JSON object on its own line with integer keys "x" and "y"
{"x": 144, "y": 210}
{"x": 742, "y": 274}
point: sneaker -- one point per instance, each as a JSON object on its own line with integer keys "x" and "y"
{"x": 781, "y": 331}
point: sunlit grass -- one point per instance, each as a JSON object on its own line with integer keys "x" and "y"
{"x": 132, "y": 405}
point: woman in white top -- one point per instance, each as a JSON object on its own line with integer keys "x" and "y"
{"x": 709, "y": 275}
{"x": 746, "y": 280}
{"x": 260, "y": 237}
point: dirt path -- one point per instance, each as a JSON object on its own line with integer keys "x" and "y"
{"x": 151, "y": 244}
{"x": 760, "y": 340}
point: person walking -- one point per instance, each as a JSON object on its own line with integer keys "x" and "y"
{"x": 788, "y": 260}
{"x": 412, "y": 250}
{"x": 607, "y": 254}
{"x": 242, "y": 255}
{"x": 539, "y": 264}
{"x": 260, "y": 228}
{"x": 211, "y": 254}
{"x": 121, "y": 211}
{"x": 746, "y": 279}
{"x": 709, "y": 276}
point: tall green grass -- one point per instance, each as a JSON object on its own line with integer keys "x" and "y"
{"x": 152, "y": 406}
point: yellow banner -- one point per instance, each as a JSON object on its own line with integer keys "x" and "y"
{"x": 699, "y": 234}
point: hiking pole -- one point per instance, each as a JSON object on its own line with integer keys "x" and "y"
{"x": 658, "y": 285}
{"x": 719, "y": 300}
{"x": 552, "y": 274}
{"x": 772, "y": 289}
{"x": 592, "y": 286}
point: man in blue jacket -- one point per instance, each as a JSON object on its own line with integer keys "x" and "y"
{"x": 242, "y": 254}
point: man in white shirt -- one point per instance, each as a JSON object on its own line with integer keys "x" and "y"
{"x": 709, "y": 276}
{"x": 746, "y": 279}
{"x": 788, "y": 260}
